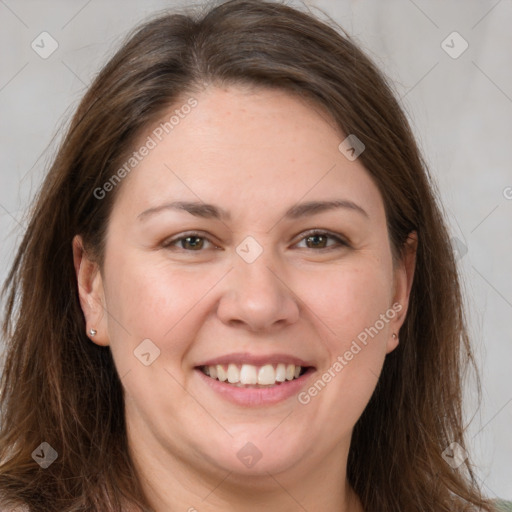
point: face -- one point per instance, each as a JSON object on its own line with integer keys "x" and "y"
{"x": 251, "y": 279}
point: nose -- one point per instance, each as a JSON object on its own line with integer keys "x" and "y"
{"x": 257, "y": 297}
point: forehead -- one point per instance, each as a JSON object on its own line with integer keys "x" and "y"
{"x": 246, "y": 149}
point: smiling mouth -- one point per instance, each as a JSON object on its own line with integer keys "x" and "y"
{"x": 251, "y": 376}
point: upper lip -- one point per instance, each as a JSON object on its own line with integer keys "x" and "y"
{"x": 256, "y": 360}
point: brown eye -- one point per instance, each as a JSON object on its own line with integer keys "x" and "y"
{"x": 316, "y": 241}
{"x": 320, "y": 240}
{"x": 190, "y": 242}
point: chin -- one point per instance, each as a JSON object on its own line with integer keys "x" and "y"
{"x": 255, "y": 455}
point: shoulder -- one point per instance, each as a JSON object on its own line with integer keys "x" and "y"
{"x": 503, "y": 506}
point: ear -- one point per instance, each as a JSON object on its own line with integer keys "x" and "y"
{"x": 404, "y": 275}
{"x": 91, "y": 293}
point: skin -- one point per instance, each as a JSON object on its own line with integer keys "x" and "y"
{"x": 254, "y": 153}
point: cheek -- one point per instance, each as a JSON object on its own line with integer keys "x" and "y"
{"x": 354, "y": 337}
{"x": 142, "y": 298}
{"x": 153, "y": 300}
{"x": 359, "y": 305}
{"x": 348, "y": 299}
{"x": 350, "y": 304}
{"x": 148, "y": 293}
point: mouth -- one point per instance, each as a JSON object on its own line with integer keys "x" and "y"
{"x": 252, "y": 380}
{"x": 251, "y": 376}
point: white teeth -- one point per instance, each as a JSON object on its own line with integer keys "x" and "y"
{"x": 267, "y": 375}
{"x": 281, "y": 372}
{"x": 233, "y": 374}
{"x": 221, "y": 373}
{"x": 248, "y": 374}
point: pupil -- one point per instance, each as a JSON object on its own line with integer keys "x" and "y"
{"x": 316, "y": 238}
{"x": 193, "y": 244}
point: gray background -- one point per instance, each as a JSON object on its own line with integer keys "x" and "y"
{"x": 460, "y": 109}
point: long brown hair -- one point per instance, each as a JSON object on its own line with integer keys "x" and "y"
{"x": 58, "y": 387}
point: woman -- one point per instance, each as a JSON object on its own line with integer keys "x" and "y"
{"x": 237, "y": 290}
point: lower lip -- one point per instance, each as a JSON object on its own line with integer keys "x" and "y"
{"x": 252, "y": 397}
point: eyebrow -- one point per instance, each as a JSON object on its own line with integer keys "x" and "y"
{"x": 210, "y": 211}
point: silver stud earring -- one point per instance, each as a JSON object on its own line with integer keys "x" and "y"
{"x": 93, "y": 332}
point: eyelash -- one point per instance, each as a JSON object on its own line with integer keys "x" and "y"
{"x": 315, "y": 232}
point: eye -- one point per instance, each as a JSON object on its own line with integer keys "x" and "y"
{"x": 196, "y": 242}
{"x": 318, "y": 240}
{"x": 191, "y": 242}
